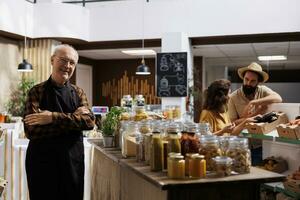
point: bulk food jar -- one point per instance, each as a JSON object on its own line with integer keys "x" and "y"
{"x": 176, "y": 167}
{"x": 222, "y": 166}
{"x": 173, "y": 138}
{"x": 204, "y": 129}
{"x": 224, "y": 143}
{"x": 197, "y": 166}
{"x": 209, "y": 147}
{"x": 190, "y": 138}
{"x": 239, "y": 151}
{"x": 126, "y": 101}
{"x": 140, "y": 147}
{"x": 129, "y": 140}
{"x": 156, "y": 153}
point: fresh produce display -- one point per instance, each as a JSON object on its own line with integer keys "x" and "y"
{"x": 274, "y": 164}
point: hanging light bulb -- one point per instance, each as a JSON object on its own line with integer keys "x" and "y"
{"x": 143, "y": 69}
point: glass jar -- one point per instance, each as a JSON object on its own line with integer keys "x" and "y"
{"x": 140, "y": 147}
{"x": 139, "y": 100}
{"x": 176, "y": 112}
{"x": 224, "y": 143}
{"x": 148, "y": 143}
{"x": 156, "y": 158}
{"x": 188, "y": 157}
{"x": 209, "y": 147}
{"x": 222, "y": 166}
{"x": 145, "y": 126}
{"x": 190, "y": 139}
{"x": 204, "y": 129}
{"x": 176, "y": 167}
{"x": 197, "y": 166}
{"x": 129, "y": 140}
{"x": 126, "y": 101}
{"x": 173, "y": 138}
{"x": 168, "y": 112}
{"x": 123, "y": 128}
{"x": 239, "y": 151}
{"x": 140, "y": 113}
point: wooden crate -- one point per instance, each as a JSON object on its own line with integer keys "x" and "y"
{"x": 287, "y": 131}
{"x": 292, "y": 185}
{"x": 263, "y": 128}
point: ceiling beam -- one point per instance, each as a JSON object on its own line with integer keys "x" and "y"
{"x": 252, "y": 38}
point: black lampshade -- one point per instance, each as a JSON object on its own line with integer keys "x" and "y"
{"x": 142, "y": 69}
{"x": 25, "y": 66}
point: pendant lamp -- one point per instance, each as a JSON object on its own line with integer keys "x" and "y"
{"x": 143, "y": 69}
{"x": 25, "y": 66}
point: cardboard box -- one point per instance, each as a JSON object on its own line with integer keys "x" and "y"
{"x": 292, "y": 185}
{"x": 263, "y": 128}
{"x": 288, "y": 131}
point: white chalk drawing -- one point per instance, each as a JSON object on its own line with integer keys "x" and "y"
{"x": 171, "y": 74}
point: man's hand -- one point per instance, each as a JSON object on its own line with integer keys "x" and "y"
{"x": 82, "y": 110}
{"x": 41, "y": 118}
{"x": 253, "y": 109}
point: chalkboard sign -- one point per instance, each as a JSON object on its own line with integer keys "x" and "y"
{"x": 171, "y": 74}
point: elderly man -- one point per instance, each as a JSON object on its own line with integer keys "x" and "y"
{"x": 56, "y": 112}
{"x": 251, "y": 99}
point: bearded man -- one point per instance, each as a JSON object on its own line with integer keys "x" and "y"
{"x": 252, "y": 99}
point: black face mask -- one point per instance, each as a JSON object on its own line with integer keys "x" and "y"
{"x": 249, "y": 90}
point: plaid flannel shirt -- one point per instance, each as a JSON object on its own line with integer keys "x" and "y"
{"x": 62, "y": 123}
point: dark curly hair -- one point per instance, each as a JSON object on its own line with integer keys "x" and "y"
{"x": 216, "y": 95}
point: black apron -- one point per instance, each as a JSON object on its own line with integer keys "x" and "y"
{"x": 55, "y": 166}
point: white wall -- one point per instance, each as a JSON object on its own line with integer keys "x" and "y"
{"x": 122, "y": 20}
{"x": 288, "y": 91}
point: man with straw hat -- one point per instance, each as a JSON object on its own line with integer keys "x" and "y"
{"x": 252, "y": 98}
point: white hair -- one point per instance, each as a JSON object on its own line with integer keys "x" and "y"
{"x": 62, "y": 46}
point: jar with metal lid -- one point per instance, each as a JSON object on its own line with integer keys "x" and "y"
{"x": 222, "y": 166}
{"x": 224, "y": 143}
{"x": 139, "y": 100}
{"x": 126, "y": 101}
{"x": 156, "y": 155}
{"x": 239, "y": 151}
{"x": 197, "y": 166}
{"x": 209, "y": 147}
{"x": 129, "y": 140}
{"x": 188, "y": 157}
{"x": 173, "y": 135}
{"x": 190, "y": 139}
{"x": 176, "y": 167}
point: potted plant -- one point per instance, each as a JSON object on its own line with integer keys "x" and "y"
{"x": 16, "y": 104}
{"x": 109, "y": 125}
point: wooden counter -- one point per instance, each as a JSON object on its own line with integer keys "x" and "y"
{"x": 116, "y": 178}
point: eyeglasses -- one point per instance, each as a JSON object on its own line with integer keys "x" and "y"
{"x": 65, "y": 61}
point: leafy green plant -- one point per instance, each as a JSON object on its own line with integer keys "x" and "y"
{"x": 110, "y": 122}
{"x": 16, "y": 104}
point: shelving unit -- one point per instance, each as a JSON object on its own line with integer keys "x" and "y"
{"x": 273, "y": 145}
{"x": 278, "y": 187}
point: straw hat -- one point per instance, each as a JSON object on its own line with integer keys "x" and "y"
{"x": 254, "y": 67}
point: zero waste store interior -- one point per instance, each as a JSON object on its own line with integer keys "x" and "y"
{"x": 219, "y": 37}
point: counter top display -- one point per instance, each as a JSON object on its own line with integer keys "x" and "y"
{"x": 137, "y": 181}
